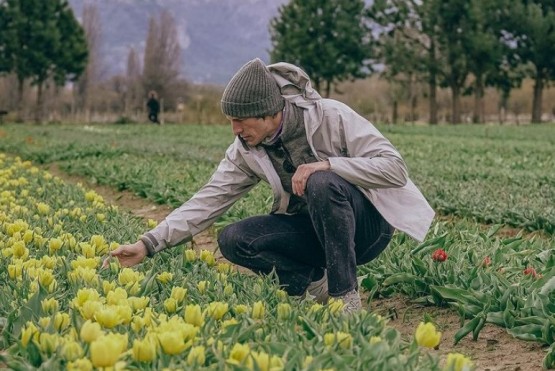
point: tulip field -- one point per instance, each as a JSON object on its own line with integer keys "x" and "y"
{"x": 490, "y": 255}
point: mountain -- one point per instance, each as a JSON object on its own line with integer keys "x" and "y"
{"x": 217, "y": 36}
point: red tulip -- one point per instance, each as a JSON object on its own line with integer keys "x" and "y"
{"x": 486, "y": 262}
{"x": 529, "y": 271}
{"x": 439, "y": 255}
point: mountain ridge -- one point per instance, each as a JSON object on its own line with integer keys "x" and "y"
{"x": 216, "y": 37}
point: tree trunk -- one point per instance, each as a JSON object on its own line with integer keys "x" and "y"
{"x": 328, "y": 89}
{"x": 432, "y": 82}
{"x": 478, "y": 116}
{"x": 40, "y": 104}
{"x": 20, "y": 85}
{"x": 455, "y": 105}
{"x": 395, "y": 113}
{"x": 538, "y": 93}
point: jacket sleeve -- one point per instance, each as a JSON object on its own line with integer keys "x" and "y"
{"x": 367, "y": 158}
{"x": 230, "y": 181}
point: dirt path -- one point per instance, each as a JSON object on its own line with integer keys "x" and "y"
{"x": 495, "y": 350}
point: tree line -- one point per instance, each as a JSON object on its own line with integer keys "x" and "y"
{"x": 43, "y": 46}
{"x": 464, "y": 46}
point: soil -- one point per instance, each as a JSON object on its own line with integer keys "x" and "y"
{"x": 494, "y": 350}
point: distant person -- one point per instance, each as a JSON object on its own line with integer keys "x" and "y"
{"x": 153, "y": 107}
{"x": 340, "y": 189}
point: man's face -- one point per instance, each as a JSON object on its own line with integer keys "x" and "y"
{"x": 253, "y": 130}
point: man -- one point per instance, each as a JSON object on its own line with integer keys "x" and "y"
{"x": 153, "y": 107}
{"x": 340, "y": 188}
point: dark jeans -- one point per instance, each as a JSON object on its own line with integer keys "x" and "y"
{"x": 341, "y": 230}
{"x": 153, "y": 117}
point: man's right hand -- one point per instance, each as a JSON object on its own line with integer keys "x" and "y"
{"x": 128, "y": 255}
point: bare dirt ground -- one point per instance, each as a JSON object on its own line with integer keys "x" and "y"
{"x": 495, "y": 349}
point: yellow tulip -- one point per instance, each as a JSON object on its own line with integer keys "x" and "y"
{"x": 89, "y": 309}
{"x": 54, "y": 245}
{"x": 190, "y": 255}
{"x": 164, "y": 277}
{"x": 172, "y": 342}
{"x": 49, "y": 306}
{"x": 261, "y": 360}
{"x": 108, "y": 317}
{"x": 84, "y": 295}
{"x": 201, "y": 286}
{"x": 458, "y": 362}
{"x": 207, "y": 257}
{"x": 138, "y": 303}
{"x": 170, "y": 304}
{"x": 228, "y": 290}
{"x": 43, "y": 208}
{"x": 82, "y": 364}
{"x": 117, "y": 297}
{"x": 144, "y": 350}
{"x": 375, "y": 340}
{"x": 240, "y": 309}
{"x": 217, "y": 309}
{"x": 281, "y": 294}
{"x": 71, "y": 351}
{"x": 90, "y": 331}
{"x": 196, "y": 356}
{"x": 61, "y": 321}
{"x": 284, "y": 311}
{"x": 343, "y": 339}
{"x": 193, "y": 315}
{"x": 104, "y": 352}
{"x": 427, "y": 336}
{"x": 48, "y": 343}
{"x": 258, "y": 310}
{"x": 178, "y": 293}
{"x": 28, "y": 333}
{"x": 239, "y": 354}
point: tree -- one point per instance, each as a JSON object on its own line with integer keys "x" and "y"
{"x": 133, "y": 75}
{"x": 409, "y": 42}
{"x": 329, "y": 39}
{"x": 93, "y": 29}
{"x": 532, "y": 29}
{"x": 42, "y": 41}
{"x": 162, "y": 55}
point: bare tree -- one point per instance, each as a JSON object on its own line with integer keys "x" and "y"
{"x": 133, "y": 82}
{"x": 93, "y": 29}
{"x": 162, "y": 55}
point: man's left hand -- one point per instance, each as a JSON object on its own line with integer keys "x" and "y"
{"x": 302, "y": 174}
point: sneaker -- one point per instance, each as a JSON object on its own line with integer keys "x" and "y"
{"x": 318, "y": 290}
{"x": 352, "y": 302}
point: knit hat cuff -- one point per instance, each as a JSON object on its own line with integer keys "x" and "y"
{"x": 263, "y": 107}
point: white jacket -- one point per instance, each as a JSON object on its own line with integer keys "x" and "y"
{"x": 355, "y": 149}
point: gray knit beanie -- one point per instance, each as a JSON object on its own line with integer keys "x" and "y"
{"x": 252, "y": 92}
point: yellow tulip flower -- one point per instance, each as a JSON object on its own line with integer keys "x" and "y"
{"x": 196, "y": 356}
{"x": 193, "y": 315}
{"x": 427, "y": 336}
{"x": 144, "y": 350}
{"x": 108, "y": 317}
{"x": 458, "y": 362}
{"x": 90, "y": 331}
{"x": 178, "y": 293}
{"x": 104, "y": 352}
{"x": 258, "y": 310}
{"x": 172, "y": 342}
{"x": 217, "y": 309}
{"x": 71, "y": 351}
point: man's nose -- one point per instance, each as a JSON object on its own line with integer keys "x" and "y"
{"x": 236, "y": 127}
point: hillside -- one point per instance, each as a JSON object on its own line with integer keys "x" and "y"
{"x": 217, "y": 37}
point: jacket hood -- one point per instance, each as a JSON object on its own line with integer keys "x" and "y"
{"x": 294, "y": 84}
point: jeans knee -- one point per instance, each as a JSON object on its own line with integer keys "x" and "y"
{"x": 321, "y": 183}
{"x": 227, "y": 241}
